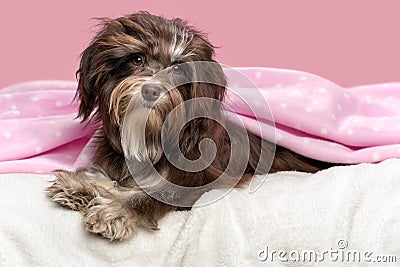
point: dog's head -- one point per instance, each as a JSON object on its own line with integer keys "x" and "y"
{"x": 145, "y": 60}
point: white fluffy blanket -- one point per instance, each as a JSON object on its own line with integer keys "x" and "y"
{"x": 343, "y": 209}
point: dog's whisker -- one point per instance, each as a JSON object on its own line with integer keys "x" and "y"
{"x": 121, "y": 96}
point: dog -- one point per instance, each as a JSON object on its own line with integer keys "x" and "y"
{"x": 116, "y": 87}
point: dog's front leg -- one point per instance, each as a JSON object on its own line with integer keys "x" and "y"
{"x": 76, "y": 189}
{"x": 118, "y": 215}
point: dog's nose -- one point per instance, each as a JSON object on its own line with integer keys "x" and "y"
{"x": 150, "y": 92}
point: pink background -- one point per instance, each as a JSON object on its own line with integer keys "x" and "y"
{"x": 349, "y": 42}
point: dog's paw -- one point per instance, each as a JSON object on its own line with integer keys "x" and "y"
{"x": 71, "y": 193}
{"x": 109, "y": 218}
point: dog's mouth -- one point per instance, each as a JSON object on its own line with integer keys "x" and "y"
{"x": 148, "y": 105}
{"x": 142, "y": 95}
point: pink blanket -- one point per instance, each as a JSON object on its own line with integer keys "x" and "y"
{"x": 313, "y": 116}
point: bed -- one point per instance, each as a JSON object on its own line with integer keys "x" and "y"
{"x": 345, "y": 209}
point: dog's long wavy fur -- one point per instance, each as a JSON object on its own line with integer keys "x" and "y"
{"x": 108, "y": 78}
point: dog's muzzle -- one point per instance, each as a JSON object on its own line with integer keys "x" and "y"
{"x": 150, "y": 92}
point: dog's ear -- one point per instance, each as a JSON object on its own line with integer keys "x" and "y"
{"x": 211, "y": 84}
{"x": 206, "y": 95}
{"x": 209, "y": 80}
{"x": 86, "y": 91}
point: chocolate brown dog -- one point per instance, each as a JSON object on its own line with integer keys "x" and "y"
{"x": 116, "y": 69}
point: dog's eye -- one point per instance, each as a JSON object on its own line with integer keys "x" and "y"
{"x": 176, "y": 69}
{"x": 138, "y": 59}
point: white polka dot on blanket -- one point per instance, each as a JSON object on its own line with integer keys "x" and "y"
{"x": 324, "y": 131}
{"x": 308, "y": 109}
{"x": 333, "y": 116}
{"x": 278, "y": 85}
{"x": 350, "y": 131}
{"x": 322, "y": 90}
{"x": 283, "y": 105}
{"x": 376, "y": 157}
{"x": 376, "y": 129}
{"x": 59, "y": 104}
{"x": 58, "y": 133}
{"x": 38, "y": 149}
{"x": 296, "y": 93}
{"x": 346, "y": 95}
{"x": 339, "y": 107}
{"x": 7, "y": 135}
{"x": 13, "y": 107}
{"x": 34, "y": 98}
{"x": 258, "y": 74}
{"x": 303, "y": 78}
{"x": 306, "y": 140}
